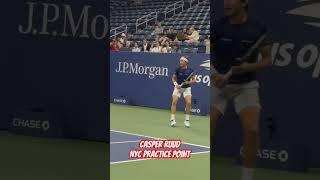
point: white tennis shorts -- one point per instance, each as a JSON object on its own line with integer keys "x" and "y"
{"x": 242, "y": 95}
{"x": 184, "y": 91}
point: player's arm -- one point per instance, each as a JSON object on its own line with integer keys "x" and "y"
{"x": 264, "y": 63}
{"x": 174, "y": 80}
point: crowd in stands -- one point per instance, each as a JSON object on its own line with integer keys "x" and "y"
{"x": 165, "y": 41}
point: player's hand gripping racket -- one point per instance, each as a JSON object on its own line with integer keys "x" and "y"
{"x": 187, "y": 79}
{"x": 236, "y": 69}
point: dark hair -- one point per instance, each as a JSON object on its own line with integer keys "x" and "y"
{"x": 186, "y": 56}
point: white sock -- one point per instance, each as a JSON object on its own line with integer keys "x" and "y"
{"x": 187, "y": 117}
{"x": 173, "y": 117}
{"x": 247, "y": 173}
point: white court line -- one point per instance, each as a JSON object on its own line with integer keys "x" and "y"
{"x": 134, "y": 134}
{"x": 123, "y": 142}
{"x": 135, "y": 160}
{"x": 120, "y": 162}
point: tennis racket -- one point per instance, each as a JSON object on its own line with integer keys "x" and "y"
{"x": 187, "y": 79}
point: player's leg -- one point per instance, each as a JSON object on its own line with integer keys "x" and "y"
{"x": 215, "y": 115}
{"x": 175, "y": 97}
{"x": 188, "y": 110}
{"x": 249, "y": 118}
{"x": 174, "y": 105}
{"x": 248, "y": 107}
{"x": 173, "y": 110}
{"x": 187, "y": 96}
{"x": 218, "y": 106}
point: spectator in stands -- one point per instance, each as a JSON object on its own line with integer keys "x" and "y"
{"x": 127, "y": 44}
{"x": 156, "y": 48}
{"x": 157, "y": 39}
{"x": 114, "y": 45}
{"x": 166, "y": 48}
{"x": 171, "y": 34}
{"x": 207, "y": 44}
{"x": 158, "y": 30}
{"x": 122, "y": 40}
{"x": 194, "y": 37}
{"x": 125, "y": 47}
{"x": 118, "y": 44}
{"x": 136, "y": 48}
{"x": 182, "y": 35}
{"x": 146, "y": 46}
{"x": 189, "y": 31}
{"x": 151, "y": 47}
{"x": 163, "y": 40}
{"x": 174, "y": 49}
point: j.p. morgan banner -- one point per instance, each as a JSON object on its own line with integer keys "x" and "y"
{"x": 144, "y": 79}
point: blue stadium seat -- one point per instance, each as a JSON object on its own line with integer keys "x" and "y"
{"x": 197, "y": 16}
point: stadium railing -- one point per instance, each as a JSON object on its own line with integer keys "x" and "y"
{"x": 145, "y": 19}
{"x": 173, "y": 8}
{"x": 117, "y": 32}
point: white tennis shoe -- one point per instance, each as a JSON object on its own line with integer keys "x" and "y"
{"x": 173, "y": 122}
{"x": 187, "y": 123}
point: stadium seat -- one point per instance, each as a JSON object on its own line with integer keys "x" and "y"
{"x": 197, "y": 16}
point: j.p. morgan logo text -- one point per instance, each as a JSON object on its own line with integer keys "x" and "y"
{"x": 136, "y": 68}
{"x": 63, "y": 20}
